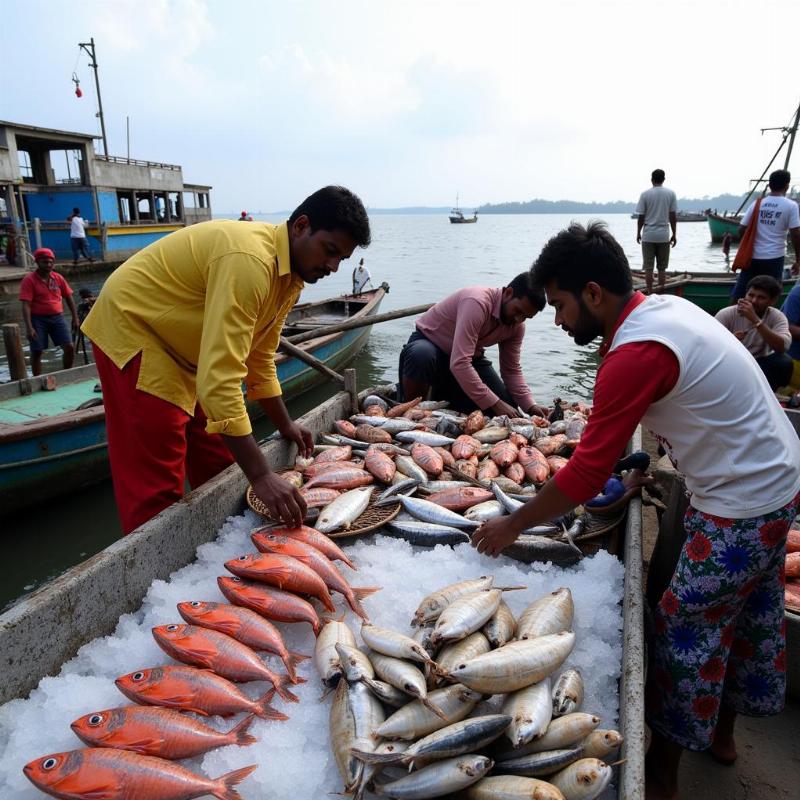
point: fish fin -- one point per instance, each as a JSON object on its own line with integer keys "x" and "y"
{"x": 365, "y": 591}
{"x": 265, "y": 710}
{"x": 510, "y": 588}
{"x": 327, "y": 601}
{"x": 229, "y": 780}
{"x": 376, "y": 758}
{"x": 240, "y": 734}
{"x": 433, "y": 707}
{"x": 328, "y": 690}
{"x": 283, "y": 692}
{"x": 290, "y": 662}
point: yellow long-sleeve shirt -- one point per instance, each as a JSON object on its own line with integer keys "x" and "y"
{"x": 205, "y": 307}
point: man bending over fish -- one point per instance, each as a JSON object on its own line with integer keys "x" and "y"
{"x": 719, "y": 645}
{"x": 445, "y": 353}
{"x": 178, "y": 328}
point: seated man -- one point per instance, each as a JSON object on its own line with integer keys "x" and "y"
{"x": 762, "y": 329}
{"x": 446, "y": 351}
{"x": 791, "y": 310}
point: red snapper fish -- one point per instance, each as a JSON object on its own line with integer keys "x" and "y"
{"x": 197, "y": 690}
{"x": 222, "y": 654}
{"x": 98, "y": 773}
{"x": 244, "y": 625}
{"x": 310, "y": 536}
{"x": 159, "y": 732}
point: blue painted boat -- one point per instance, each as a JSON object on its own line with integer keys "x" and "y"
{"x": 52, "y": 427}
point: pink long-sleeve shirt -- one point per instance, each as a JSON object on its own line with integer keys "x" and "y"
{"x": 464, "y": 325}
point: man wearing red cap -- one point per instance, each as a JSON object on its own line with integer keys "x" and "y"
{"x": 42, "y": 293}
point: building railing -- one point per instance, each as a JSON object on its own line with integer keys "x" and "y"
{"x": 137, "y": 162}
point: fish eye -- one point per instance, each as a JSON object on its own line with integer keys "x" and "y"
{"x": 243, "y": 558}
{"x": 236, "y": 580}
{"x": 173, "y": 627}
{"x": 196, "y": 603}
{"x": 96, "y": 719}
{"x": 49, "y": 763}
{"x": 137, "y": 676}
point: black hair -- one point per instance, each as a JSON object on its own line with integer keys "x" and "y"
{"x": 84, "y": 292}
{"x": 658, "y": 176}
{"x": 578, "y": 255}
{"x": 767, "y": 284}
{"x": 76, "y": 210}
{"x": 779, "y": 179}
{"x": 336, "y": 208}
{"x": 521, "y": 286}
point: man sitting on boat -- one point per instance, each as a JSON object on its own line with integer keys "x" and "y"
{"x": 762, "y": 329}
{"x": 178, "y": 328}
{"x": 445, "y": 353}
{"x": 777, "y": 216}
{"x": 719, "y": 643}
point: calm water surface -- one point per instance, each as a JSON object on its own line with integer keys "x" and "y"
{"x": 423, "y": 258}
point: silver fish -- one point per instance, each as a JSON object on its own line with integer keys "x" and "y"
{"x": 466, "y": 736}
{"x": 407, "y": 466}
{"x": 375, "y": 400}
{"x": 326, "y": 659}
{"x": 355, "y": 663}
{"x": 601, "y": 743}
{"x": 487, "y": 510}
{"x": 583, "y": 780}
{"x": 491, "y": 435}
{"x": 530, "y": 547}
{"x": 402, "y": 486}
{"x": 552, "y": 613}
{"x": 344, "y": 510}
{"x": 531, "y": 710}
{"x": 559, "y": 426}
{"x": 440, "y": 778}
{"x": 451, "y": 655}
{"x": 568, "y": 693}
{"x": 424, "y": 437}
{"x": 438, "y": 486}
{"x": 466, "y": 615}
{"x": 391, "y": 425}
{"x": 392, "y": 643}
{"x": 566, "y": 731}
{"x": 426, "y": 534}
{"x": 500, "y": 628}
{"x": 416, "y": 720}
{"x": 426, "y": 511}
{"x": 512, "y": 787}
{"x": 432, "y": 606}
{"x": 405, "y": 676}
{"x": 507, "y": 502}
{"x": 388, "y": 695}
{"x": 535, "y": 765}
{"x": 433, "y": 405}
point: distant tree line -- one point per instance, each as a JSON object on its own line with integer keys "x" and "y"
{"x": 719, "y": 202}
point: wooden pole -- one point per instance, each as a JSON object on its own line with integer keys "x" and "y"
{"x": 351, "y": 387}
{"x": 16, "y": 357}
{"x": 357, "y": 323}
{"x": 307, "y": 358}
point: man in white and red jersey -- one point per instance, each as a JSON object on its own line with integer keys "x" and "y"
{"x": 719, "y": 645}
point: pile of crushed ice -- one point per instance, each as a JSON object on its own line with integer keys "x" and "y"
{"x": 294, "y": 757}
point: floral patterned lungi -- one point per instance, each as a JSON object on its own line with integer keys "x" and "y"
{"x": 720, "y": 632}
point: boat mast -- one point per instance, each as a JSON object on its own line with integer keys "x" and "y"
{"x": 89, "y": 48}
{"x": 788, "y": 133}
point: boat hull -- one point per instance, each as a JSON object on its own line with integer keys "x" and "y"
{"x": 719, "y": 226}
{"x": 56, "y": 455}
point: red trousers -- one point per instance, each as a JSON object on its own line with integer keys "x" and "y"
{"x": 153, "y": 445}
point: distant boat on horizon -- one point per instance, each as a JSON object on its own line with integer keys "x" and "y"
{"x": 457, "y": 215}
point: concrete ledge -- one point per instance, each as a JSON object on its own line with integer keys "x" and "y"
{"x": 47, "y": 627}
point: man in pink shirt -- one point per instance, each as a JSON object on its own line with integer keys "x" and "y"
{"x": 41, "y": 293}
{"x": 445, "y": 353}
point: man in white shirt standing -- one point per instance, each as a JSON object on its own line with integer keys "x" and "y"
{"x": 361, "y": 278}
{"x": 77, "y": 235}
{"x": 762, "y": 329}
{"x": 657, "y": 209}
{"x": 777, "y": 216}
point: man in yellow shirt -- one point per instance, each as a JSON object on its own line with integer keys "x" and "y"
{"x": 178, "y": 328}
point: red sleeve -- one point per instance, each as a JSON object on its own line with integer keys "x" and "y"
{"x": 630, "y": 378}
{"x": 66, "y": 289}
{"x": 26, "y": 289}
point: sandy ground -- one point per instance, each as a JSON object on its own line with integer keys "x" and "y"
{"x": 768, "y": 767}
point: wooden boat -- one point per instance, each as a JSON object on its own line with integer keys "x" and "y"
{"x": 46, "y": 628}
{"x": 719, "y": 225}
{"x": 711, "y": 291}
{"x": 53, "y": 442}
{"x": 690, "y": 216}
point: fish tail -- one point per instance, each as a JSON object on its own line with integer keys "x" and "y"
{"x": 290, "y": 662}
{"x": 265, "y": 710}
{"x": 376, "y": 758}
{"x": 349, "y": 563}
{"x": 433, "y": 707}
{"x": 353, "y": 602}
{"x": 240, "y": 734}
{"x": 229, "y": 780}
{"x": 365, "y": 591}
{"x": 280, "y": 687}
{"x": 327, "y": 601}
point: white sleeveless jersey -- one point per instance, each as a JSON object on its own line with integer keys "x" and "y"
{"x": 721, "y": 424}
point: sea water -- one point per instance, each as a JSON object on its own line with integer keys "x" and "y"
{"x": 294, "y": 757}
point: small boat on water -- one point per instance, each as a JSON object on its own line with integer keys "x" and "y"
{"x": 683, "y": 216}
{"x": 457, "y": 215}
{"x": 52, "y": 427}
{"x": 711, "y": 291}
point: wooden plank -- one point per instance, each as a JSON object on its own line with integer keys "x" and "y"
{"x": 16, "y": 357}
{"x": 307, "y": 358}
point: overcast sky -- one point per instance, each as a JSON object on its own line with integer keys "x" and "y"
{"x": 409, "y": 102}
